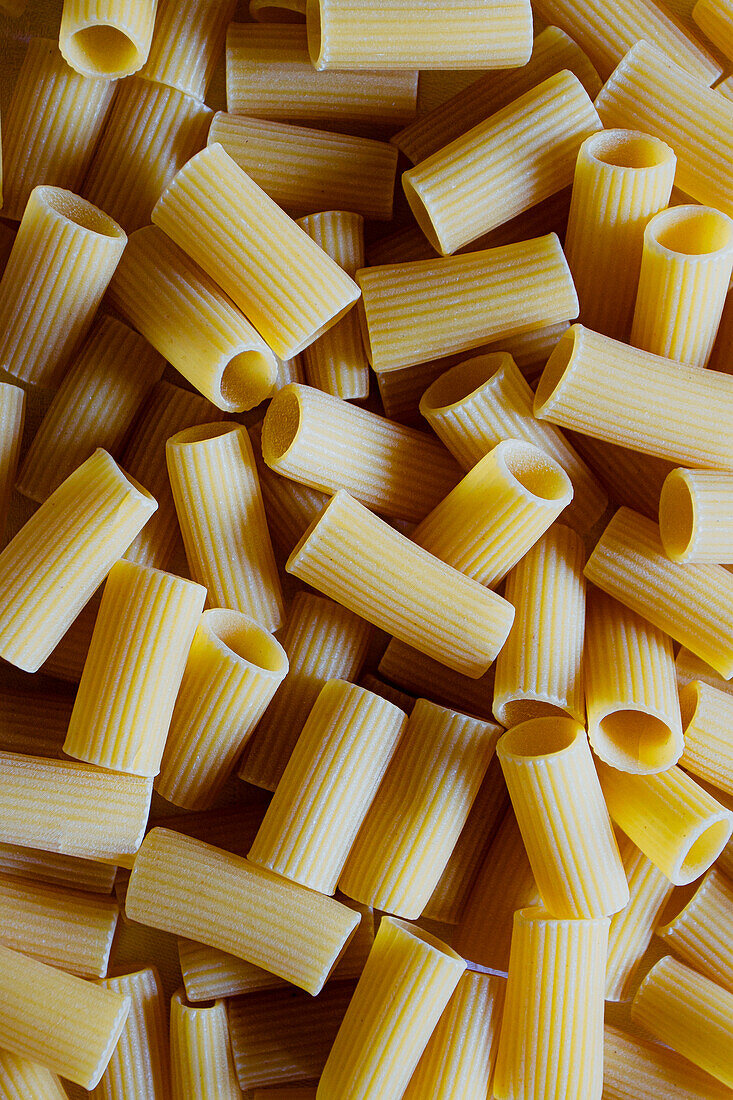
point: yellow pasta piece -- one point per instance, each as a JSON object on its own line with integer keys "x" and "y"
{"x": 695, "y": 522}
{"x": 45, "y": 312}
{"x": 357, "y": 559}
{"x": 689, "y": 667}
{"x": 715, "y": 20}
{"x": 139, "y": 1066}
{"x": 424, "y": 676}
{"x": 289, "y": 506}
{"x": 61, "y": 870}
{"x": 187, "y": 41}
{"x": 106, "y": 38}
{"x": 202, "y": 1067}
{"x": 227, "y": 224}
{"x": 67, "y": 660}
{"x": 24, "y": 1080}
{"x": 707, "y": 717}
{"x": 633, "y": 1067}
{"x": 422, "y": 310}
{"x": 698, "y": 925}
{"x": 277, "y": 11}
{"x": 516, "y": 158}
{"x": 12, "y": 419}
{"x": 184, "y": 886}
{"x": 551, "y": 1042}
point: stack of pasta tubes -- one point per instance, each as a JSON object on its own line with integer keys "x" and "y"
{"x": 366, "y": 614}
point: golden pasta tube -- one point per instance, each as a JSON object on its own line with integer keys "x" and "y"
{"x": 222, "y": 518}
{"x": 51, "y": 127}
{"x": 64, "y": 255}
{"x": 707, "y": 717}
{"x": 187, "y": 42}
{"x": 328, "y": 444}
{"x": 695, "y": 522}
{"x": 420, "y": 311}
{"x": 622, "y": 179}
{"x": 692, "y": 603}
{"x": 617, "y": 393}
{"x": 306, "y": 170}
{"x": 61, "y": 870}
{"x": 228, "y": 225}
{"x": 202, "y": 1066}
{"x": 675, "y": 822}
{"x": 140, "y": 1063}
{"x": 234, "y": 668}
{"x": 715, "y": 20}
{"x": 24, "y": 1080}
{"x": 689, "y": 667}
{"x": 67, "y": 1024}
{"x": 424, "y": 676}
{"x": 698, "y": 925}
{"x": 289, "y": 506}
{"x": 12, "y": 419}
{"x": 516, "y": 158}
{"x": 634, "y": 1067}
{"x": 551, "y": 1042}
{"x": 689, "y": 1013}
{"x": 407, "y": 982}
{"x": 151, "y": 132}
{"x": 360, "y": 561}
{"x": 62, "y": 554}
{"x": 419, "y": 810}
{"x": 95, "y": 405}
{"x": 184, "y": 886}
{"x": 106, "y": 38}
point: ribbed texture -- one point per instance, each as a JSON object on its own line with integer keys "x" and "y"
{"x": 68, "y": 1025}
{"x": 51, "y": 127}
{"x": 617, "y": 393}
{"x": 71, "y": 931}
{"x": 202, "y": 1067}
{"x": 134, "y": 668}
{"x": 696, "y": 516}
{"x": 419, "y": 811}
{"x": 407, "y": 982}
{"x": 622, "y": 179}
{"x": 632, "y": 929}
{"x": 270, "y": 75}
{"x": 497, "y": 512}
{"x": 187, "y": 887}
{"x": 328, "y": 444}
{"x": 12, "y": 418}
{"x": 106, "y": 38}
{"x": 387, "y": 691}
{"x": 328, "y": 786}
{"x": 68, "y": 871}
{"x": 400, "y": 390}
{"x": 692, "y": 603}
{"x": 187, "y": 42}
{"x": 110, "y": 378}
{"x": 337, "y": 362}
{"x": 633, "y": 1067}
{"x": 234, "y": 668}
{"x": 420, "y": 311}
{"x": 689, "y": 667}
{"x": 140, "y": 1065}
{"x": 540, "y": 669}
{"x": 280, "y": 279}
{"x": 24, "y": 1080}
{"x": 551, "y": 1042}
{"x": 715, "y": 20}
{"x": 701, "y": 931}
{"x": 289, "y": 506}
{"x": 33, "y": 721}
{"x": 689, "y": 1013}
{"x": 64, "y": 255}
{"x": 151, "y": 132}
{"x": 363, "y": 563}
{"x": 434, "y": 34}
{"x": 307, "y": 170}
{"x": 233, "y": 827}
{"x": 629, "y": 477}
{"x": 516, "y": 158}
{"x": 424, "y": 676}
{"x": 707, "y": 714}
{"x": 675, "y": 822}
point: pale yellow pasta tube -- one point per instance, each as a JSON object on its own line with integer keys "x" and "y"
{"x": 202, "y": 1066}
{"x": 222, "y": 518}
{"x": 111, "y": 376}
{"x": 64, "y": 255}
{"x": 420, "y": 311}
{"x": 12, "y": 419}
{"x": 516, "y": 158}
{"x": 67, "y": 1024}
{"x": 421, "y": 675}
{"x": 633, "y": 1067}
{"x": 420, "y": 809}
{"x": 184, "y": 886}
{"x": 24, "y": 1080}
{"x": 328, "y": 444}
{"x": 617, "y": 393}
{"x": 51, "y": 127}
{"x": 407, "y": 982}
{"x": 689, "y": 1013}
{"x": 187, "y": 42}
{"x": 695, "y": 516}
{"x": 140, "y": 1063}
{"x": 678, "y": 826}
{"x": 60, "y": 870}
{"x": 227, "y": 224}
{"x": 715, "y": 20}
{"x": 698, "y": 925}
{"x": 551, "y": 1043}
{"x": 328, "y": 786}
{"x": 707, "y": 717}
{"x": 692, "y": 603}
{"x": 234, "y": 668}
{"x": 106, "y": 38}
{"x": 360, "y": 561}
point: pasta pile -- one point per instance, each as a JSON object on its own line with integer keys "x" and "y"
{"x": 366, "y": 592}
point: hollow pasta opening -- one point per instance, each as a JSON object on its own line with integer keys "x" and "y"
{"x": 691, "y": 230}
{"x": 422, "y": 217}
{"x": 689, "y": 702}
{"x": 677, "y": 516}
{"x": 462, "y": 381}
{"x": 628, "y": 149}
{"x": 247, "y": 379}
{"x": 638, "y": 739}
{"x": 80, "y": 212}
{"x": 703, "y": 852}
{"x": 200, "y": 433}
{"x": 281, "y": 425}
{"x": 555, "y": 368}
{"x": 245, "y": 638}
{"x": 526, "y": 710}
{"x": 679, "y": 899}
{"x": 537, "y": 473}
{"x": 313, "y": 26}
{"x": 541, "y": 737}
{"x": 104, "y": 50}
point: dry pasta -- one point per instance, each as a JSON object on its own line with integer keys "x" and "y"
{"x": 707, "y": 714}
{"x": 106, "y": 38}
{"x": 695, "y": 508}
{"x": 187, "y": 40}
{"x": 139, "y": 1065}
{"x": 698, "y": 925}
{"x": 202, "y": 1066}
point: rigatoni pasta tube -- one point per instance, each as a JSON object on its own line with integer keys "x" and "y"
{"x": 106, "y": 38}
{"x": 68, "y": 871}
{"x": 707, "y": 717}
{"x": 24, "y": 1080}
{"x": 234, "y": 668}
{"x": 202, "y": 1067}
{"x": 715, "y": 20}
{"x": 187, "y": 41}
{"x": 551, "y": 1043}
{"x": 689, "y": 668}
{"x": 516, "y": 158}
{"x": 64, "y": 255}
{"x": 561, "y": 815}
{"x": 328, "y": 444}
{"x": 184, "y": 886}
{"x": 139, "y": 1065}
{"x": 407, "y": 982}
{"x": 282, "y": 281}
{"x": 423, "y": 310}
{"x": 698, "y": 925}
{"x": 357, "y": 559}
{"x": 696, "y": 516}
{"x": 12, "y": 419}
{"x": 634, "y": 1067}
{"x": 328, "y": 786}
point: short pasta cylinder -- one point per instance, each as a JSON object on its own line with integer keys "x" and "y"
{"x": 634, "y": 1067}
{"x": 12, "y": 420}
{"x": 707, "y": 717}
{"x": 139, "y": 1065}
{"x": 698, "y": 926}
{"x": 202, "y": 1066}
{"x": 106, "y": 38}
{"x": 689, "y": 667}
{"x": 695, "y": 509}
{"x": 289, "y": 506}
{"x": 715, "y": 20}
{"x": 67, "y": 871}
{"x": 24, "y": 1080}
{"x": 187, "y": 41}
